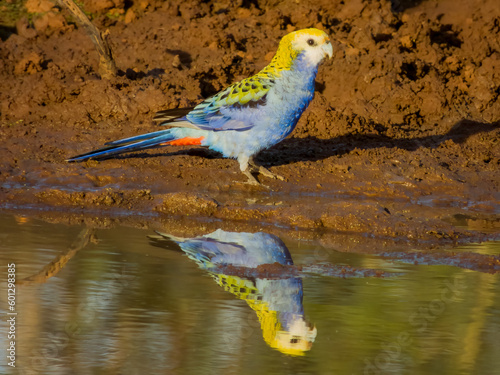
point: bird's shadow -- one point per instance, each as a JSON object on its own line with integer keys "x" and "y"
{"x": 201, "y": 152}
{"x": 313, "y": 149}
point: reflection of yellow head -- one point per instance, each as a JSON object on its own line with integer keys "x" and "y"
{"x": 295, "y": 341}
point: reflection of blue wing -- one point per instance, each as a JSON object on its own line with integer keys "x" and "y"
{"x": 236, "y": 249}
{"x": 207, "y": 252}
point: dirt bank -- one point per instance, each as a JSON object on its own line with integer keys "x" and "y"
{"x": 401, "y": 140}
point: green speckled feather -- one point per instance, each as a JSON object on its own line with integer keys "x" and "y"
{"x": 249, "y": 92}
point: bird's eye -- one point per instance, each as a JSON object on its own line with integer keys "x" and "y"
{"x": 311, "y": 42}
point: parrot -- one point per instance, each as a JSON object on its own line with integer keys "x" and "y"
{"x": 246, "y": 117}
{"x": 277, "y": 302}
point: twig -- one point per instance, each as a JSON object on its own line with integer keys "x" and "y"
{"x": 107, "y": 66}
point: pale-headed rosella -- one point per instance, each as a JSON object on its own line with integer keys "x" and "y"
{"x": 246, "y": 117}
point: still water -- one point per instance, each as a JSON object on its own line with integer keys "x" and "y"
{"x": 132, "y": 301}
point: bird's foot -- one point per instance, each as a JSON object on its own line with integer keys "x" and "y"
{"x": 252, "y": 180}
{"x": 263, "y": 171}
{"x": 266, "y": 172}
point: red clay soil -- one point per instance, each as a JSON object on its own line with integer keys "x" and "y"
{"x": 401, "y": 140}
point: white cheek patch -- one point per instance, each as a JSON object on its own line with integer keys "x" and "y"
{"x": 314, "y": 55}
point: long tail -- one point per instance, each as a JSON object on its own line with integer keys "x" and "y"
{"x": 141, "y": 142}
{"x": 170, "y": 117}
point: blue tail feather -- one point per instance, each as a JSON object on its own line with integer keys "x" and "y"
{"x": 135, "y": 138}
{"x": 140, "y": 142}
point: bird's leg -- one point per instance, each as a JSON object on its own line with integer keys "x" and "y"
{"x": 247, "y": 170}
{"x": 263, "y": 171}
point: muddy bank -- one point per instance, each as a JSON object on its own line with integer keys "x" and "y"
{"x": 401, "y": 141}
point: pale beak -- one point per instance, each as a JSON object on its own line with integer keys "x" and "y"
{"x": 327, "y": 49}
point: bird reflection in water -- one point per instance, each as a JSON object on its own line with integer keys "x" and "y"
{"x": 277, "y": 301}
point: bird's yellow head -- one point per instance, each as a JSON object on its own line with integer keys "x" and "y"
{"x": 312, "y": 43}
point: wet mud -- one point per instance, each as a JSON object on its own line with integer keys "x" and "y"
{"x": 400, "y": 144}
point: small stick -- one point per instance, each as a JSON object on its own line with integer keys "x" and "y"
{"x": 53, "y": 268}
{"x": 107, "y": 66}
